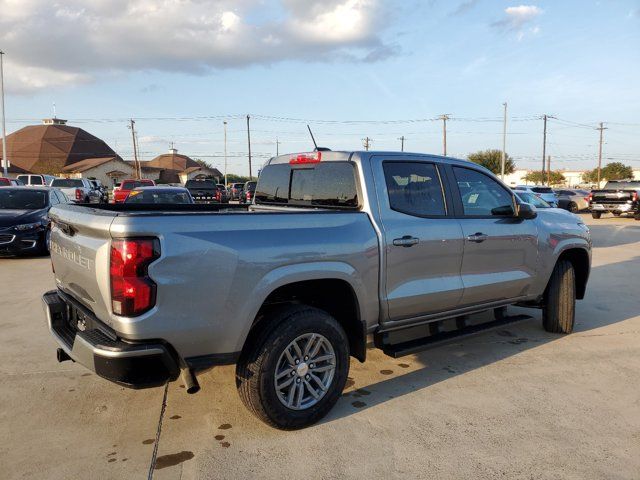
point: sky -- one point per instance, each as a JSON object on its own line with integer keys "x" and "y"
{"x": 349, "y": 68}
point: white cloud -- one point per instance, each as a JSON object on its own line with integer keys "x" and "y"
{"x": 49, "y": 44}
{"x": 516, "y": 19}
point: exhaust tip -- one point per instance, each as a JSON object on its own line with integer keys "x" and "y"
{"x": 190, "y": 381}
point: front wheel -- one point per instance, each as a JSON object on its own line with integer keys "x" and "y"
{"x": 558, "y": 314}
{"x": 295, "y": 369}
{"x": 596, "y": 214}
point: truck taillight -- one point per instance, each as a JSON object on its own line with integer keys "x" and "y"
{"x": 249, "y": 196}
{"x": 590, "y": 197}
{"x": 132, "y": 291}
{"x": 635, "y": 196}
{"x": 78, "y": 194}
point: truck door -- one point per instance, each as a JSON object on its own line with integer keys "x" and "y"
{"x": 423, "y": 241}
{"x": 500, "y": 250}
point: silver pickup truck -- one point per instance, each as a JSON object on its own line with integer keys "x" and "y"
{"x": 337, "y": 247}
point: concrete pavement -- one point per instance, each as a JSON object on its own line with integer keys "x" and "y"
{"x": 515, "y": 403}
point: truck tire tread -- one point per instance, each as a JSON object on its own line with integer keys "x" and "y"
{"x": 558, "y": 314}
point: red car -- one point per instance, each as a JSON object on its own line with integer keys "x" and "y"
{"x": 121, "y": 193}
{"x": 9, "y": 182}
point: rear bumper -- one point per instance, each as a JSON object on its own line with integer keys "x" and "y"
{"x": 613, "y": 207}
{"x": 133, "y": 365}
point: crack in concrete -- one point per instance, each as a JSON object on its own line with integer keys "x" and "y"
{"x": 154, "y": 456}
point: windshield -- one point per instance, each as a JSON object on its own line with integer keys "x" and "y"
{"x": 158, "y": 196}
{"x": 200, "y": 184}
{"x": 530, "y": 198}
{"x": 632, "y": 184}
{"x": 22, "y": 199}
{"x": 67, "y": 183}
{"x": 131, "y": 184}
{"x": 542, "y": 189}
{"x": 250, "y": 186}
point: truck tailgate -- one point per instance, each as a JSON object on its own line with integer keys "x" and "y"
{"x": 80, "y": 255}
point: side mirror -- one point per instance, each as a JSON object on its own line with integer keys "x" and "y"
{"x": 526, "y": 211}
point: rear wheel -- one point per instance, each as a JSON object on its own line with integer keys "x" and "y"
{"x": 573, "y": 207}
{"x": 616, "y": 214}
{"x": 295, "y": 370}
{"x": 558, "y": 314}
{"x": 596, "y": 214}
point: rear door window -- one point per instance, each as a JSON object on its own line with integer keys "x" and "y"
{"x": 414, "y": 188}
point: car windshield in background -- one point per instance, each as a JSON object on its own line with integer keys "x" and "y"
{"x": 632, "y": 184}
{"x": 67, "y": 183}
{"x": 330, "y": 184}
{"x": 130, "y": 185}
{"x": 542, "y": 189}
{"x": 200, "y": 184}
{"x": 22, "y": 199}
{"x": 161, "y": 197}
{"x": 530, "y": 198}
{"x": 251, "y": 186}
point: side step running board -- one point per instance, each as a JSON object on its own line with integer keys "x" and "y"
{"x": 437, "y": 338}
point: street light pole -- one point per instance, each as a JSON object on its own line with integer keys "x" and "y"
{"x": 5, "y": 160}
{"x": 225, "y": 154}
{"x": 504, "y": 142}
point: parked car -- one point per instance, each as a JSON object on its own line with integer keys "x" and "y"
{"x": 79, "y": 190}
{"x": 618, "y": 197}
{"x": 224, "y": 194}
{"x": 120, "y": 193}
{"x": 24, "y": 221}
{"x": 36, "y": 180}
{"x": 10, "y": 182}
{"x": 532, "y": 199}
{"x": 249, "y": 190}
{"x": 341, "y": 245}
{"x": 573, "y": 200}
{"x": 545, "y": 193}
{"x": 159, "y": 195}
{"x": 204, "y": 191}
{"x": 235, "y": 191}
{"x": 100, "y": 189}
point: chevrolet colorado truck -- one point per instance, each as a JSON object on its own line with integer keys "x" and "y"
{"x": 618, "y": 197}
{"x": 337, "y": 247}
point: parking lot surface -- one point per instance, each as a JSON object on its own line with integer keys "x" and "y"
{"x": 513, "y": 403}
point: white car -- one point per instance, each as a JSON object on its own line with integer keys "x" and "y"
{"x": 540, "y": 191}
{"x": 79, "y": 190}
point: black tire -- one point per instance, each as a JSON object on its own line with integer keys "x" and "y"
{"x": 44, "y": 247}
{"x": 558, "y": 314}
{"x": 573, "y": 207}
{"x": 256, "y": 367}
{"x": 616, "y": 214}
{"x": 596, "y": 214}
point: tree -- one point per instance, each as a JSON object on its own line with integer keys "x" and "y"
{"x": 491, "y": 160}
{"x": 590, "y": 176}
{"x": 202, "y": 163}
{"x": 538, "y": 178}
{"x": 616, "y": 171}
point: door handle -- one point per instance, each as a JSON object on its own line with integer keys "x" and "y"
{"x": 477, "y": 237}
{"x": 406, "y": 241}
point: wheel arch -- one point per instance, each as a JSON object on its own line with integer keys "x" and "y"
{"x": 335, "y": 295}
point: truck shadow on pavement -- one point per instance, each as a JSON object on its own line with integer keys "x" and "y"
{"x": 406, "y": 375}
{"x": 605, "y": 236}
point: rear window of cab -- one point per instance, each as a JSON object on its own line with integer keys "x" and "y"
{"x": 326, "y": 185}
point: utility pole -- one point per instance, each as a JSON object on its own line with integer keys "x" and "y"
{"x": 444, "y": 119}
{"x": 602, "y": 128}
{"x": 5, "y": 160}
{"x": 549, "y": 170}
{"x": 366, "y": 142}
{"x": 545, "y": 117}
{"x": 249, "y": 143}
{"x": 136, "y": 165}
{"x": 277, "y": 147}
{"x": 503, "y": 159}
{"x": 225, "y": 153}
{"x": 401, "y": 143}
